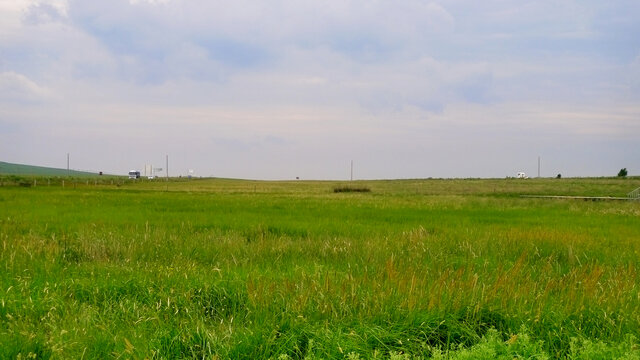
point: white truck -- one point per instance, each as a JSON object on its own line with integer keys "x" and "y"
{"x": 134, "y": 174}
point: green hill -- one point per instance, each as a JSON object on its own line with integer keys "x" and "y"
{"x": 19, "y": 169}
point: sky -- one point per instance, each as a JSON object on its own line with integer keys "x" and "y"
{"x": 281, "y": 89}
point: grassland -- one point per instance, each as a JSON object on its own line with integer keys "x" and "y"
{"x": 458, "y": 269}
{"x": 21, "y": 170}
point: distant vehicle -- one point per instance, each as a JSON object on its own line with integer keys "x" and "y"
{"x": 150, "y": 177}
{"x": 522, "y": 175}
{"x": 134, "y": 174}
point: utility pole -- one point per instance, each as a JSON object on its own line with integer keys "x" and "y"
{"x": 538, "y": 166}
{"x": 67, "y": 164}
{"x": 351, "y": 170}
{"x": 167, "y": 172}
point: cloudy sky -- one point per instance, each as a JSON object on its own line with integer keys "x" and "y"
{"x": 284, "y": 88}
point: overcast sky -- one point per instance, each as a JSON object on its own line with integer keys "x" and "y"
{"x": 281, "y": 89}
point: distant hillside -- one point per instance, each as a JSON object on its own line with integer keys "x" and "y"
{"x": 19, "y": 169}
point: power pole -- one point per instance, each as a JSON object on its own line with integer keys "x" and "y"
{"x": 538, "y": 166}
{"x": 67, "y": 164}
{"x": 351, "y": 170}
{"x": 167, "y": 172}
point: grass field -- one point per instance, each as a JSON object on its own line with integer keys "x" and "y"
{"x": 20, "y": 170}
{"x": 215, "y": 268}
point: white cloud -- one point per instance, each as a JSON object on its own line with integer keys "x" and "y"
{"x": 149, "y": 1}
{"x": 43, "y": 12}
{"x": 17, "y": 88}
{"x": 10, "y": 16}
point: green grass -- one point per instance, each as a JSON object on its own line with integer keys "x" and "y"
{"x": 459, "y": 269}
{"x": 21, "y": 170}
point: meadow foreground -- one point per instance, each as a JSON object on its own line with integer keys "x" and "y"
{"x": 243, "y": 269}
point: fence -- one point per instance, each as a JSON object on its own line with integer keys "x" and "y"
{"x": 635, "y": 194}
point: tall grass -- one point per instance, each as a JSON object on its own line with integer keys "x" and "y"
{"x": 300, "y": 272}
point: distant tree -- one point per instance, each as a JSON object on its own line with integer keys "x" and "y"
{"x": 622, "y": 172}
{"x": 559, "y": 176}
